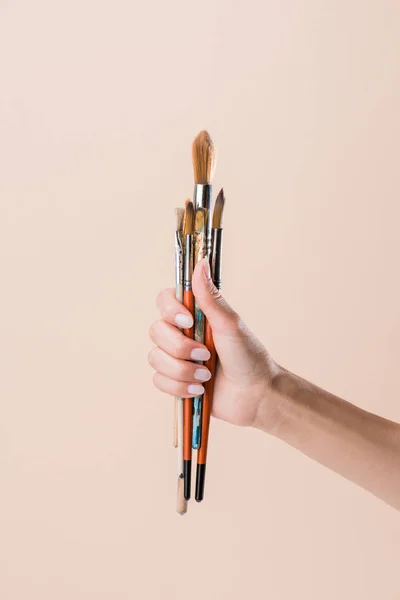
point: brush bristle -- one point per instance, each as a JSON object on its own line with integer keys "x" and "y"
{"x": 179, "y": 214}
{"x": 188, "y": 219}
{"x": 200, "y": 220}
{"x": 219, "y": 211}
{"x": 203, "y": 156}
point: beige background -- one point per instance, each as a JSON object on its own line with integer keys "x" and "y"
{"x": 99, "y": 104}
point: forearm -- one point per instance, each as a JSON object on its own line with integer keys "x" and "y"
{"x": 358, "y": 445}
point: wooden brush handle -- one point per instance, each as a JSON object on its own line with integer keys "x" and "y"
{"x": 175, "y": 437}
{"x": 188, "y": 302}
{"x": 181, "y": 503}
{"x": 187, "y": 428}
{"x": 208, "y": 396}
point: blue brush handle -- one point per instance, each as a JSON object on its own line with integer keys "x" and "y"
{"x": 199, "y": 337}
{"x": 196, "y": 438}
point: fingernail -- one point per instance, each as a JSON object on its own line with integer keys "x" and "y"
{"x": 196, "y": 390}
{"x": 185, "y": 321}
{"x": 200, "y": 354}
{"x": 202, "y": 374}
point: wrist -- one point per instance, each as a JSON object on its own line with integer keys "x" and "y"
{"x": 271, "y": 408}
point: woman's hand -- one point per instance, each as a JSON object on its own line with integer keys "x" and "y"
{"x": 245, "y": 370}
{"x": 250, "y": 389}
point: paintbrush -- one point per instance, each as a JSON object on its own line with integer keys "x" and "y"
{"x": 216, "y": 269}
{"x": 200, "y": 244}
{"x": 188, "y": 301}
{"x": 204, "y": 159}
{"x": 178, "y": 247}
{"x": 178, "y": 413}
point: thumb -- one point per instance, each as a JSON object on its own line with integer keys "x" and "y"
{"x": 210, "y": 300}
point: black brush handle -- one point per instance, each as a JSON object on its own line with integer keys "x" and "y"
{"x": 187, "y": 476}
{"x": 200, "y": 481}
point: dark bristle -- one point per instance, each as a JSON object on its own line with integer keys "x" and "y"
{"x": 219, "y": 210}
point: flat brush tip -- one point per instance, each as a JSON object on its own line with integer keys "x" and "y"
{"x": 179, "y": 214}
{"x": 188, "y": 219}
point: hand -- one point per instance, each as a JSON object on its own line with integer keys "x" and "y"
{"x": 252, "y": 390}
{"x": 245, "y": 371}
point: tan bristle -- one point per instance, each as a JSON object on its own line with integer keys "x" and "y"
{"x": 188, "y": 220}
{"x": 200, "y": 242}
{"x": 200, "y": 220}
{"x": 203, "y": 156}
{"x": 218, "y": 222}
{"x": 179, "y": 213}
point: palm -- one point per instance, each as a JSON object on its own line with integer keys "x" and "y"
{"x": 238, "y": 386}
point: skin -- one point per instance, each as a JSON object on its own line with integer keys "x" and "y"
{"x": 252, "y": 390}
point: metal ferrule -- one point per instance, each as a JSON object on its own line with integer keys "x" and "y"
{"x": 216, "y": 257}
{"x": 188, "y": 263}
{"x": 178, "y": 261}
{"x": 202, "y": 198}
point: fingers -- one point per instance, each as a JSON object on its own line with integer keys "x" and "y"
{"x": 171, "y": 358}
{"x": 172, "y": 310}
{"x": 173, "y": 342}
{"x": 179, "y": 370}
{"x": 177, "y": 388}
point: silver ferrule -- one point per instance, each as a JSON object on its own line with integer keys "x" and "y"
{"x": 202, "y": 198}
{"x": 216, "y": 257}
{"x": 188, "y": 263}
{"x": 178, "y": 260}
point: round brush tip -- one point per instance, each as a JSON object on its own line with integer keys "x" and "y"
{"x": 203, "y": 156}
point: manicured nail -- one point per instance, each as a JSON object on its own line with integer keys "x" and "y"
{"x": 185, "y": 321}
{"x": 196, "y": 390}
{"x": 202, "y": 374}
{"x": 200, "y": 354}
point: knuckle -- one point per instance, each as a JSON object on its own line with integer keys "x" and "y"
{"x": 181, "y": 372}
{"x": 180, "y": 346}
{"x": 157, "y": 382}
{"x": 151, "y": 357}
{"x": 214, "y": 291}
{"x": 165, "y": 298}
{"x": 152, "y": 331}
{"x": 160, "y": 298}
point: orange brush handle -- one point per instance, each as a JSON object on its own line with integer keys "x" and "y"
{"x": 208, "y": 396}
{"x": 188, "y": 302}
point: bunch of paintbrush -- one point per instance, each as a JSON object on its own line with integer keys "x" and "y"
{"x": 196, "y": 237}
